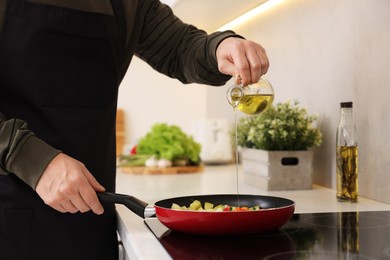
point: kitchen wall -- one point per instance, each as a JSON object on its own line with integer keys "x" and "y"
{"x": 321, "y": 53}
{"x": 148, "y": 97}
{"x": 324, "y": 52}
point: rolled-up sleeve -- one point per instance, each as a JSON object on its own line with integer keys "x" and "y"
{"x": 21, "y": 152}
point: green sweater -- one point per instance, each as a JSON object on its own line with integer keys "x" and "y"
{"x": 166, "y": 43}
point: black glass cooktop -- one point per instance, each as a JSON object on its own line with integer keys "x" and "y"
{"x": 318, "y": 236}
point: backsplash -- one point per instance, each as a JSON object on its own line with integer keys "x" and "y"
{"x": 326, "y": 52}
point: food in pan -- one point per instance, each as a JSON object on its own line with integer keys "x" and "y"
{"x": 196, "y": 205}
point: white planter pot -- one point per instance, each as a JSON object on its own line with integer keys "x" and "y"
{"x": 277, "y": 170}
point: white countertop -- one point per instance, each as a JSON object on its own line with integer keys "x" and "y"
{"x": 140, "y": 243}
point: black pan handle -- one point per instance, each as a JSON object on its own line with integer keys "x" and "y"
{"x": 138, "y": 206}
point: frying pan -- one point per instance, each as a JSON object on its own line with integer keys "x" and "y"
{"x": 275, "y": 213}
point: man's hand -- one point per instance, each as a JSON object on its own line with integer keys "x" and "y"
{"x": 67, "y": 186}
{"x": 245, "y": 60}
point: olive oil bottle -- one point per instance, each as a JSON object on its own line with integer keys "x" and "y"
{"x": 347, "y": 155}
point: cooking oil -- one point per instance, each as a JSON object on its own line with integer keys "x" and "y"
{"x": 347, "y": 173}
{"x": 254, "y": 104}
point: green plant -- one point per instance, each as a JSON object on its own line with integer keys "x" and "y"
{"x": 169, "y": 142}
{"x": 284, "y": 127}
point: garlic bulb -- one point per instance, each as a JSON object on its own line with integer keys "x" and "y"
{"x": 163, "y": 163}
{"x": 151, "y": 162}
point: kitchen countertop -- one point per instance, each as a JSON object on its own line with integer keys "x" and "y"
{"x": 140, "y": 243}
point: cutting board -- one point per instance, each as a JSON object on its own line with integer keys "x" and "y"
{"x": 166, "y": 170}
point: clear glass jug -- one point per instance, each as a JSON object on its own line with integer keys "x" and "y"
{"x": 252, "y": 99}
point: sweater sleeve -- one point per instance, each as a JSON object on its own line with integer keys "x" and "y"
{"x": 21, "y": 152}
{"x": 180, "y": 50}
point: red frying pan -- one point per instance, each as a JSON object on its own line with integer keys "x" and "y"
{"x": 275, "y": 213}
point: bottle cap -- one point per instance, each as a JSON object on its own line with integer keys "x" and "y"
{"x": 345, "y": 104}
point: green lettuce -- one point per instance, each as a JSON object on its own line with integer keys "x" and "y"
{"x": 169, "y": 142}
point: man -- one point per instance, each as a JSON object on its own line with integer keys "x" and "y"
{"x": 61, "y": 63}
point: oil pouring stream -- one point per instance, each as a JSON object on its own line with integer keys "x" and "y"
{"x": 252, "y": 100}
{"x": 236, "y": 152}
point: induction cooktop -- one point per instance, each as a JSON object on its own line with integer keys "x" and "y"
{"x": 309, "y": 236}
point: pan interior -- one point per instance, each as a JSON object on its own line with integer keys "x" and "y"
{"x": 229, "y": 199}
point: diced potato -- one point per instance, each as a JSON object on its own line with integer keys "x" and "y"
{"x": 208, "y": 205}
{"x": 195, "y": 205}
{"x": 219, "y": 207}
{"x": 175, "y": 206}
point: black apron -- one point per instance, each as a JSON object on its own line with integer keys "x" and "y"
{"x": 59, "y": 71}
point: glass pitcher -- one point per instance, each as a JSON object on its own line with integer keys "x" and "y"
{"x": 252, "y": 99}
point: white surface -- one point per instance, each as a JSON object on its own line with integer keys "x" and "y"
{"x": 140, "y": 243}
